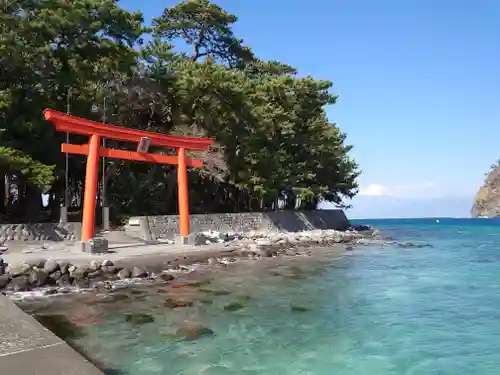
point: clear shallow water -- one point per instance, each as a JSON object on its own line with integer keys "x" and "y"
{"x": 374, "y": 311}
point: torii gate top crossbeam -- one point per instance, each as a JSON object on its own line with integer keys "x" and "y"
{"x": 76, "y": 125}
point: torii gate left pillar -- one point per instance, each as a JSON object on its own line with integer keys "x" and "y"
{"x": 95, "y": 131}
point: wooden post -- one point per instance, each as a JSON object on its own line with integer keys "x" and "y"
{"x": 182, "y": 183}
{"x": 91, "y": 176}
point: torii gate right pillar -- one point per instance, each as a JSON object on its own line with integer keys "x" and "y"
{"x": 182, "y": 182}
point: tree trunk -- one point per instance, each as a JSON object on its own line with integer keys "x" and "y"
{"x": 55, "y": 198}
{"x": 32, "y": 204}
{"x": 311, "y": 205}
{"x": 3, "y": 191}
{"x": 171, "y": 182}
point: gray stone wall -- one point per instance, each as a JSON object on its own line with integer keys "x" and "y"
{"x": 167, "y": 227}
{"x": 39, "y": 232}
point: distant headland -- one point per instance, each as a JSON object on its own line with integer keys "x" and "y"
{"x": 487, "y": 200}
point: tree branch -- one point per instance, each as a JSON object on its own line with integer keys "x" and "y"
{"x": 201, "y": 38}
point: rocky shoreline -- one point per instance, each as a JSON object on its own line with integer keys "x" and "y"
{"x": 56, "y": 277}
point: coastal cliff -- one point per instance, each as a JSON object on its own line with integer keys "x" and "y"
{"x": 487, "y": 200}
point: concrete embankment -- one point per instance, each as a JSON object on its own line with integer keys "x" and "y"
{"x": 27, "y": 348}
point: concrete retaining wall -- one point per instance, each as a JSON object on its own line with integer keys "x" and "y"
{"x": 27, "y": 348}
{"x": 39, "y": 232}
{"x": 167, "y": 227}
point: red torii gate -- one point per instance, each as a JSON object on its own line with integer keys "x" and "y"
{"x": 97, "y": 130}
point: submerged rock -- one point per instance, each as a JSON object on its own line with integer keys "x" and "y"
{"x": 139, "y": 318}
{"x": 166, "y": 276}
{"x": 135, "y": 292}
{"x": 174, "y": 303}
{"x": 299, "y": 308}
{"x": 115, "y": 297}
{"x": 237, "y": 304}
{"x": 234, "y": 306}
{"x": 215, "y": 292}
{"x": 199, "y": 283}
{"x": 294, "y": 276}
{"x": 206, "y": 301}
{"x": 60, "y": 325}
{"x": 413, "y": 245}
{"x": 192, "y": 331}
{"x": 185, "y": 284}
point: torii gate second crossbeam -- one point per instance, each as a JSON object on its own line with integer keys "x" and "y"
{"x": 96, "y": 130}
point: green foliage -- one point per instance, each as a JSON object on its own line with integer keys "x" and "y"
{"x": 194, "y": 77}
{"x": 205, "y": 27}
{"x": 36, "y": 173}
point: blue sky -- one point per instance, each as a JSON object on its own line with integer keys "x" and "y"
{"x": 418, "y": 84}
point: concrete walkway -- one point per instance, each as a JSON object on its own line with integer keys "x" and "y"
{"x": 117, "y": 251}
{"x": 27, "y": 348}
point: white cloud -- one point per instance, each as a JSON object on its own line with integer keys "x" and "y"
{"x": 375, "y": 190}
{"x": 413, "y": 190}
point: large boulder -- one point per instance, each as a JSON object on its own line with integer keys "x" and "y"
{"x": 3, "y": 266}
{"x": 55, "y": 275}
{"x": 124, "y": 274}
{"x": 51, "y": 265}
{"x": 64, "y": 267}
{"x": 95, "y": 265}
{"x": 4, "y": 281}
{"x": 20, "y": 269}
{"x": 20, "y": 283}
{"x": 81, "y": 282}
{"x": 36, "y": 262}
{"x": 64, "y": 280}
{"x": 138, "y": 272}
{"x": 38, "y": 277}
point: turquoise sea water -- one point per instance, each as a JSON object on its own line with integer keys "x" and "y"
{"x": 378, "y": 310}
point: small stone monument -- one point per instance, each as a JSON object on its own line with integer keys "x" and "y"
{"x": 96, "y": 245}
